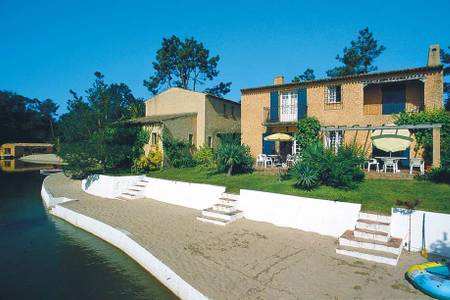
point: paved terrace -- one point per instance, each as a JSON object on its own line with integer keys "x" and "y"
{"x": 246, "y": 259}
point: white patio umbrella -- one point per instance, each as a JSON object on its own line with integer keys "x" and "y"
{"x": 391, "y": 140}
{"x": 279, "y": 137}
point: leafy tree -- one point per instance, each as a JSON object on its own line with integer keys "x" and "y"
{"x": 21, "y": 119}
{"x": 92, "y": 130}
{"x": 359, "y": 57}
{"x": 184, "y": 64}
{"x": 445, "y": 58}
{"x": 306, "y": 76}
{"x": 48, "y": 110}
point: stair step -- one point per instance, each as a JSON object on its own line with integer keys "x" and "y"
{"x": 228, "y": 216}
{"x": 211, "y": 220}
{"x": 371, "y": 234}
{"x": 224, "y": 208}
{"x": 371, "y": 255}
{"x": 374, "y": 217}
{"x": 394, "y": 245}
{"x": 230, "y": 196}
{"x": 135, "y": 189}
{"x": 373, "y": 225}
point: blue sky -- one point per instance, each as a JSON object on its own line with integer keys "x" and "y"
{"x": 49, "y": 47}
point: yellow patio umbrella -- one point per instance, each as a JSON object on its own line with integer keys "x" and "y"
{"x": 391, "y": 140}
{"x": 279, "y": 137}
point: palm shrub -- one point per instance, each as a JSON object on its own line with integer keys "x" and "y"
{"x": 233, "y": 159}
{"x": 322, "y": 166}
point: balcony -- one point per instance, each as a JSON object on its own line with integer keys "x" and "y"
{"x": 284, "y": 115}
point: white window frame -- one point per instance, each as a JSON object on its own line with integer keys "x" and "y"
{"x": 288, "y": 106}
{"x": 332, "y": 94}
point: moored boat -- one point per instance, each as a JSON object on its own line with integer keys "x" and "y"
{"x": 431, "y": 278}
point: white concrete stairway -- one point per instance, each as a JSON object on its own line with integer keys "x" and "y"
{"x": 223, "y": 212}
{"x": 136, "y": 191}
{"x": 371, "y": 240}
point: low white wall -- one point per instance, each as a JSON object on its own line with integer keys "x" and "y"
{"x": 49, "y": 200}
{"x": 321, "y": 216}
{"x": 117, "y": 238}
{"x": 192, "y": 195}
{"x": 437, "y": 229}
{"x": 108, "y": 186}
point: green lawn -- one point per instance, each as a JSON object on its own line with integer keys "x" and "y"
{"x": 375, "y": 195}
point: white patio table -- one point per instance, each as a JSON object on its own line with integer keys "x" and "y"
{"x": 383, "y": 158}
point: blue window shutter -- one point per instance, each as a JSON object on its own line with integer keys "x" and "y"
{"x": 274, "y": 106}
{"x": 393, "y": 99}
{"x": 268, "y": 146}
{"x": 301, "y": 105}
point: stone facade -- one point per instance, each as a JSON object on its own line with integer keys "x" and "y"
{"x": 361, "y": 103}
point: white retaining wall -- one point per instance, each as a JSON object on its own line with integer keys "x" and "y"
{"x": 437, "y": 230}
{"x": 51, "y": 201}
{"x": 321, "y": 216}
{"x": 108, "y": 186}
{"x": 192, "y": 195}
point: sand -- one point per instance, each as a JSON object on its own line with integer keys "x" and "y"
{"x": 245, "y": 259}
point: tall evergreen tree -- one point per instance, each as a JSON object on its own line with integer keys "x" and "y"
{"x": 445, "y": 58}
{"x": 359, "y": 57}
{"x": 308, "y": 74}
{"x": 185, "y": 64}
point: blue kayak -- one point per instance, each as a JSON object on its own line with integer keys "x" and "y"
{"x": 431, "y": 278}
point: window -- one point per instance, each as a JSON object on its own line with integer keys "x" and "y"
{"x": 154, "y": 138}
{"x": 190, "y": 138}
{"x": 288, "y": 107}
{"x": 7, "y": 150}
{"x": 232, "y": 111}
{"x": 333, "y": 97}
{"x": 334, "y": 139}
{"x": 224, "y": 109}
{"x": 210, "y": 141}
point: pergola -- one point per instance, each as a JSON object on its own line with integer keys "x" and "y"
{"x": 436, "y": 134}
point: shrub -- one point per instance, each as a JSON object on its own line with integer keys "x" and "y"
{"x": 439, "y": 175}
{"x": 322, "y": 166}
{"x": 79, "y": 160}
{"x": 151, "y": 162}
{"x": 233, "y": 159}
{"x": 204, "y": 157}
{"x": 177, "y": 152}
{"x": 308, "y": 132}
{"x": 305, "y": 176}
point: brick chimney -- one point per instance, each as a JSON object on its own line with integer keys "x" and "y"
{"x": 278, "y": 80}
{"x": 434, "y": 55}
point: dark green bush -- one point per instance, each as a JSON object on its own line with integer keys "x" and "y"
{"x": 439, "y": 175}
{"x": 322, "y": 166}
{"x": 234, "y": 159}
{"x": 177, "y": 153}
{"x": 308, "y": 130}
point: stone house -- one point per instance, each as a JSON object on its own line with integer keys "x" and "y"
{"x": 370, "y": 99}
{"x": 195, "y": 117}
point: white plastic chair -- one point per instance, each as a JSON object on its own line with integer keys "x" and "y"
{"x": 417, "y": 163}
{"x": 261, "y": 159}
{"x": 290, "y": 160}
{"x": 390, "y": 163}
{"x": 373, "y": 162}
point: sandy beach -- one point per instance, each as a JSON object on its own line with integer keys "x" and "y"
{"x": 245, "y": 259}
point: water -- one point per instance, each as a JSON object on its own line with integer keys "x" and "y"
{"x": 43, "y": 257}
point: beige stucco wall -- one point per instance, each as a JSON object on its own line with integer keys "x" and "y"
{"x": 252, "y": 117}
{"x": 177, "y": 100}
{"x": 433, "y": 90}
{"x": 218, "y": 120}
